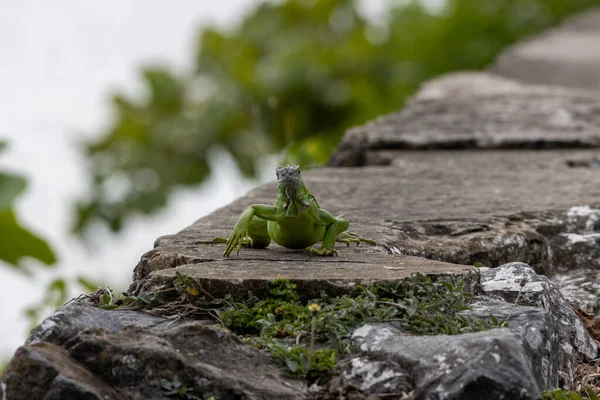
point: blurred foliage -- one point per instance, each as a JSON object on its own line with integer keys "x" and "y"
{"x": 16, "y": 242}
{"x": 291, "y": 77}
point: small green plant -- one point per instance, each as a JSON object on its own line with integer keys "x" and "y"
{"x": 110, "y": 299}
{"x": 522, "y": 284}
{"x": 559, "y": 394}
{"x": 288, "y": 329}
{"x": 301, "y": 361}
{"x": 307, "y": 340}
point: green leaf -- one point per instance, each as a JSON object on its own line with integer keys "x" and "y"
{"x": 146, "y": 297}
{"x": 106, "y": 298}
{"x": 87, "y": 283}
{"x": 10, "y": 187}
{"x": 494, "y": 319}
{"x": 291, "y": 364}
{"x": 16, "y": 242}
{"x": 305, "y": 361}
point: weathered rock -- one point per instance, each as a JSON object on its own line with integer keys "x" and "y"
{"x": 454, "y": 367}
{"x": 567, "y": 56}
{"x": 125, "y": 354}
{"x": 551, "y": 241}
{"x": 45, "y": 371}
{"x": 386, "y": 368}
{"x": 374, "y": 376}
{"x": 476, "y": 110}
{"x": 205, "y": 358}
{"x": 538, "y": 332}
{"x": 581, "y": 289}
{"x": 338, "y": 276}
{"x": 67, "y": 321}
{"x": 539, "y": 291}
{"x": 576, "y": 247}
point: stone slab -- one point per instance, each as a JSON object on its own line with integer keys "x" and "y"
{"x": 477, "y": 110}
{"x": 336, "y": 276}
{"x": 566, "y": 56}
{"x": 455, "y": 206}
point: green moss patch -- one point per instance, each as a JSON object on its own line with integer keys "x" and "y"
{"x": 308, "y": 338}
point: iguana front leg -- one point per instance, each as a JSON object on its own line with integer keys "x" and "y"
{"x": 336, "y": 231}
{"x": 334, "y": 226}
{"x": 240, "y": 233}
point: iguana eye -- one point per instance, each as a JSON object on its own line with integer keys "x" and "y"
{"x": 278, "y": 171}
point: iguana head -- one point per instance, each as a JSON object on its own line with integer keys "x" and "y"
{"x": 290, "y": 182}
{"x": 288, "y": 175}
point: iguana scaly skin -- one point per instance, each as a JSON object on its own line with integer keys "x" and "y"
{"x": 296, "y": 221}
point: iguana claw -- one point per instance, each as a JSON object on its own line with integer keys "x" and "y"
{"x": 236, "y": 241}
{"x": 321, "y": 251}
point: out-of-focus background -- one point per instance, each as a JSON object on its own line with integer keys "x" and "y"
{"x": 121, "y": 121}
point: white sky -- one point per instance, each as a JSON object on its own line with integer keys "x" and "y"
{"x": 59, "y": 60}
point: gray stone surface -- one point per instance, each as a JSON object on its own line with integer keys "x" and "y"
{"x": 46, "y": 371}
{"x": 567, "y": 56}
{"x": 538, "y": 332}
{"x": 383, "y": 367}
{"x": 335, "y": 276}
{"x": 458, "y": 206}
{"x": 369, "y": 375}
{"x": 476, "y": 110}
{"x": 454, "y": 367}
{"x": 130, "y": 355}
{"x": 65, "y": 322}
{"x": 540, "y": 292}
{"x": 581, "y": 289}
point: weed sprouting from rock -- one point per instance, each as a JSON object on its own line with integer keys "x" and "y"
{"x": 522, "y": 284}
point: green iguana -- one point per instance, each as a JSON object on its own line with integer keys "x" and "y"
{"x": 296, "y": 221}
